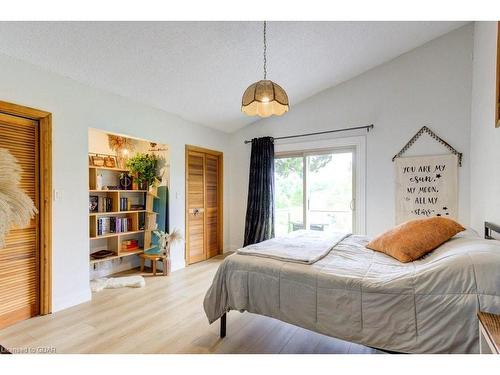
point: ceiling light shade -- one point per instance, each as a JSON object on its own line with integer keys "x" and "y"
{"x": 264, "y": 98}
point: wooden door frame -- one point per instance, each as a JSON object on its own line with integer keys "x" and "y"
{"x": 220, "y": 208}
{"x": 45, "y": 133}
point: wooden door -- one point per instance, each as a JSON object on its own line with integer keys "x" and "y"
{"x": 19, "y": 259}
{"x": 211, "y": 206}
{"x": 203, "y": 204}
{"x": 195, "y": 207}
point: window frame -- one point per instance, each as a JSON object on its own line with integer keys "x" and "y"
{"x": 358, "y": 143}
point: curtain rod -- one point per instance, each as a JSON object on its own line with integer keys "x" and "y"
{"x": 367, "y": 127}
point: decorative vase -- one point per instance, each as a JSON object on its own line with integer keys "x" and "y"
{"x": 153, "y": 189}
{"x": 143, "y": 185}
{"x": 98, "y": 182}
{"x": 121, "y": 161}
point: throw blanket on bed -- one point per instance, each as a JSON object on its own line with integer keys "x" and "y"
{"x": 358, "y": 295}
{"x": 302, "y": 246}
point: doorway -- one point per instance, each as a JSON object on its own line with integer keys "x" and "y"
{"x": 204, "y": 181}
{"x": 315, "y": 190}
{"x": 25, "y": 273}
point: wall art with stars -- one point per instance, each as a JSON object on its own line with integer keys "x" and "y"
{"x": 426, "y": 186}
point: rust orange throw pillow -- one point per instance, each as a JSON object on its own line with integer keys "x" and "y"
{"x": 415, "y": 238}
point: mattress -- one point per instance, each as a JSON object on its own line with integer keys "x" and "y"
{"x": 363, "y": 296}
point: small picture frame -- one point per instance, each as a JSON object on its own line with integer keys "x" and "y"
{"x": 110, "y": 161}
{"x": 93, "y": 203}
{"x": 97, "y": 160}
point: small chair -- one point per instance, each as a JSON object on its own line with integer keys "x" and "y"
{"x": 155, "y": 258}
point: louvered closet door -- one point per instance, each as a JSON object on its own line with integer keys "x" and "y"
{"x": 195, "y": 207}
{"x": 19, "y": 259}
{"x": 212, "y": 203}
{"x": 203, "y": 204}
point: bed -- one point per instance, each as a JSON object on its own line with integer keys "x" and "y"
{"x": 363, "y": 296}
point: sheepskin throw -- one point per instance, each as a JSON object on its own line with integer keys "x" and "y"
{"x": 16, "y": 208}
{"x": 135, "y": 281}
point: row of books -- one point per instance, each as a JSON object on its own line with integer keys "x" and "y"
{"x": 105, "y": 204}
{"x": 130, "y": 245}
{"x": 125, "y": 205}
{"x": 100, "y": 204}
{"x": 112, "y": 224}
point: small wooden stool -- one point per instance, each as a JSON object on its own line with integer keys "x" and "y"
{"x": 155, "y": 258}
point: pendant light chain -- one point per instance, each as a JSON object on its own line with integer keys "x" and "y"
{"x": 265, "y": 51}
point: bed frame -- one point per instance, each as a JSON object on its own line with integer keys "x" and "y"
{"x": 488, "y": 229}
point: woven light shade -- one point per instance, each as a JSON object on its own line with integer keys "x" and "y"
{"x": 264, "y": 98}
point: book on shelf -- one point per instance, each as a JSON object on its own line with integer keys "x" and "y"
{"x": 100, "y": 204}
{"x": 136, "y": 207}
{"x": 124, "y": 204}
{"x": 93, "y": 203}
{"x": 130, "y": 245}
{"x": 113, "y": 224}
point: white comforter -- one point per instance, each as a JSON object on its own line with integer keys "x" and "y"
{"x": 302, "y": 246}
{"x": 356, "y": 294}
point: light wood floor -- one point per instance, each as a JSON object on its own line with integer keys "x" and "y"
{"x": 165, "y": 317}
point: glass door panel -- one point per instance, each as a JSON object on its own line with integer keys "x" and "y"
{"x": 289, "y": 187}
{"x": 330, "y": 192}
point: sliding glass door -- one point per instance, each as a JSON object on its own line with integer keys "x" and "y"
{"x": 289, "y": 194}
{"x": 315, "y": 190}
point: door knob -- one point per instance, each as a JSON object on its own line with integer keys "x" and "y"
{"x": 196, "y": 211}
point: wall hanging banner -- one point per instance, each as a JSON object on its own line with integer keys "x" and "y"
{"x": 426, "y": 186}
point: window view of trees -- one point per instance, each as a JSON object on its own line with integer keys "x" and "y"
{"x": 328, "y": 191}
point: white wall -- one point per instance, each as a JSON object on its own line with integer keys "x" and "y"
{"x": 485, "y": 138}
{"x": 75, "y": 108}
{"x": 430, "y": 85}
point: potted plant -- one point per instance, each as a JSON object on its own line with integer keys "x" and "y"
{"x": 144, "y": 169}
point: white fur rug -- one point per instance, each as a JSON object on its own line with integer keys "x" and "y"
{"x": 117, "y": 282}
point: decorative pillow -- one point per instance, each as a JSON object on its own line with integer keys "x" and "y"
{"x": 415, "y": 238}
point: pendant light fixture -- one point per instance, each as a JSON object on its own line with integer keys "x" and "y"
{"x": 264, "y": 98}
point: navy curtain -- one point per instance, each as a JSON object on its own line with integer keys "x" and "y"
{"x": 259, "y": 225}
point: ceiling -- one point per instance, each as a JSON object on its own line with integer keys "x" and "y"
{"x": 199, "y": 70}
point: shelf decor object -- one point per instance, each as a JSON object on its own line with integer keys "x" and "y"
{"x": 264, "y": 98}
{"x": 122, "y": 146}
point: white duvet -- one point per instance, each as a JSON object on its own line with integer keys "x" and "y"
{"x": 302, "y": 246}
{"x": 356, "y": 294}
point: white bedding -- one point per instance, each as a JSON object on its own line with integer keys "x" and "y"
{"x": 302, "y": 246}
{"x": 356, "y": 294}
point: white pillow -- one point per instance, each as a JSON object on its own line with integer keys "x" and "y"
{"x": 468, "y": 233}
